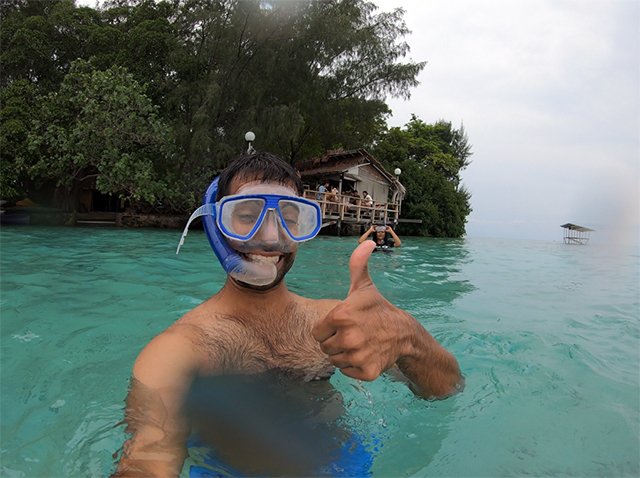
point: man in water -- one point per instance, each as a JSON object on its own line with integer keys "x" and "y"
{"x": 383, "y": 236}
{"x": 255, "y": 325}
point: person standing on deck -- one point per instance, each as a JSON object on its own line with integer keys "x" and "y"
{"x": 367, "y": 200}
{"x": 322, "y": 190}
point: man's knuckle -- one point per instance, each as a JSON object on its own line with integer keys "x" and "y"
{"x": 369, "y": 374}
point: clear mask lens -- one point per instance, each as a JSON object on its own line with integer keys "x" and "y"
{"x": 240, "y": 218}
{"x": 300, "y": 219}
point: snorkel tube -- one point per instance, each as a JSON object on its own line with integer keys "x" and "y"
{"x": 232, "y": 262}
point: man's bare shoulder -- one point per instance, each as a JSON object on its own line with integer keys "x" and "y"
{"x": 211, "y": 318}
{"x": 177, "y": 350}
{"x": 221, "y": 316}
{"x": 167, "y": 356}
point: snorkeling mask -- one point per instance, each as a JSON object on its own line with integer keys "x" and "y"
{"x": 238, "y": 218}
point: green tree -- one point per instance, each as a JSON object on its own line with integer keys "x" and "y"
{"x": 100, "y": 125}
{"x": 18, "y": 104}
{"x": 40, "y": 39}
{"x": 431, "y": 157}
{"x": 305, "y": 76}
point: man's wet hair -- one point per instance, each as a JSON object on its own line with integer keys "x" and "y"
{"x": 259, "y": 166}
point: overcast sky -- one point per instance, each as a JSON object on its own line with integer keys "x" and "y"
{"x": 549, "y": 95}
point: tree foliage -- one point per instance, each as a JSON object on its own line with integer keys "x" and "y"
{"x": 166, "y": 89}
{"x": 431, "y": 157}
{"x": 100, "y": 125}
{"x": 18, "y": 106}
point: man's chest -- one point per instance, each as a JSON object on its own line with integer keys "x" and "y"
{"x": 255, "y": 344}
{"x": 296, "y": 354}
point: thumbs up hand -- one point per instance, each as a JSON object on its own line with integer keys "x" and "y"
{"x": 365, "y": 334}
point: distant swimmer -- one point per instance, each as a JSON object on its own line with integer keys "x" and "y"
{"x": 384, "y": 237}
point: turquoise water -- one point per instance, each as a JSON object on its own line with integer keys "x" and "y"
{"x": 547, "y": 335}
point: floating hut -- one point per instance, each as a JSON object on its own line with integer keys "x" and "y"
{"x": 574, "y": 234}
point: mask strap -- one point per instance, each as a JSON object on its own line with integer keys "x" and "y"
{"x": 204, "y": 210}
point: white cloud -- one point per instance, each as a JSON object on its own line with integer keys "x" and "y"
{"x": 549, "y": 93}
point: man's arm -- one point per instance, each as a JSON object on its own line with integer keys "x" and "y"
{"x": 365, "y": 335}
{"x": 432, "y": 370}
{"x": 162, "y": 375}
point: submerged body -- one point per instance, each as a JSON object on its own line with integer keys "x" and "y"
{"x": 271, "y": 424}
{"x": 224, "y": 336}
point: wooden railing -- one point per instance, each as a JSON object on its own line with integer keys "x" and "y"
{"x": 350, "y": 208}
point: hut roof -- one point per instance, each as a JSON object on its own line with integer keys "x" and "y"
{"x": 340, "y": 161}
{"x": 575, "y": 227}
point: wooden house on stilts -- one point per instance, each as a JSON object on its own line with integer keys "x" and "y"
{"x": 348, "y": 175}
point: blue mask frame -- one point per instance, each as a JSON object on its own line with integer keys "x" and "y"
{"x": 271, "y": 202}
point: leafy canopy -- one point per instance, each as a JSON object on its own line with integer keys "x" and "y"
{"x": 100, "y": 125}
{"x": 431, "y": 157}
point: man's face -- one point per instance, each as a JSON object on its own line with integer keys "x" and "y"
{"x": 271, "y": 245}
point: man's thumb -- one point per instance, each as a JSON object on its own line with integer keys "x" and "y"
{"x": 359, "y": 266}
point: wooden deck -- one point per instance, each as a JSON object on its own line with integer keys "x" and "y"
{"x": 349, "y": 210}
{"x": 96, "y": 218}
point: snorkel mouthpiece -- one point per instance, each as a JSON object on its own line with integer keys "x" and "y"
{"x": 239, "y": 268}
{"x": 257, "y": 274}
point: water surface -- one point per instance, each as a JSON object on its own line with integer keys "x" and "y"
{"x": 547, "y": 335}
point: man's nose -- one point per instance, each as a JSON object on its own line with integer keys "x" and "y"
{"x": 269, "y": 229}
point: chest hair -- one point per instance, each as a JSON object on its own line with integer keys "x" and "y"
{"x": 263, "y": 340}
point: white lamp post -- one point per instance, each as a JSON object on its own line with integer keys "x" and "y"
{"x": 249, "y": 137}
{"x": 397, "y": 172}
